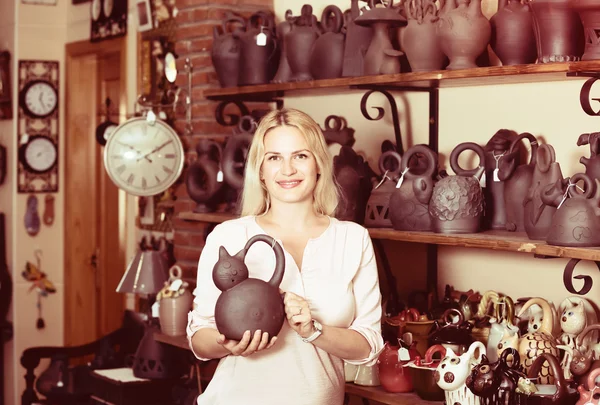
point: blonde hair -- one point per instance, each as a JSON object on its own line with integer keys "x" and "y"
{"x": 255, "y": 198}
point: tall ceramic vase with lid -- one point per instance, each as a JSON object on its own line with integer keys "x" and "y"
{"x": 558, "y": 31}
{"x": 463, "y": 32}
{"x": 419, "y": 39}
{"x": 175, "y": 302}
{"x": 589, "y": 12}
{"x": 513, "y": 38}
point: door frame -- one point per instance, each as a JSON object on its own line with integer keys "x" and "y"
{"x": 98, "y": 49}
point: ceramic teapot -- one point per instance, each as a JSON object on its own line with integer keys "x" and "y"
{"x": 377, "y": 214}
{"x": 248, "y": 303}
{"x": 576, "y": 222}
{"x": 409, "y": 203}
{"x": 496, "y": 382}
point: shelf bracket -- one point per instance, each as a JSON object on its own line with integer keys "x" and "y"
{"x": 568, "y": 278}
{"x": 584, "y": 94}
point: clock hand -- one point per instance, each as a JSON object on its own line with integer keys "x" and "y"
{"x": 155, "y": 150}
{"x": 135, "y": 150}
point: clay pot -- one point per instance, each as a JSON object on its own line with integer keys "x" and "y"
{"x": 393, "y": 375}
{"x": 258, "y": 62}
{"x": 419, "y": 38}
{"x": 377, "y": 214}
{"x": 517, "y": 180}
{"x": 357, "y": 42}
{"x": 592, "y": 164}
{"x": 456, "y": 205}
{"x": 226, "y": 50}
{"x": 576, "y": 221}
{"x": 299, "y": 43}
{"x": 538, "y": 216}
{"x": 381, "y": 57}
{"x": 463, "y": 32}
{"x": 558, "y": 31}
{"x": 350, "y": 174}
{"x": 327, "y": 56}
{"x": 203, "y": 180}
{"x": 513, "y": 38}
{"x": 423, "y": 374}
{"x": 589, "y": 12}
{"x": 284, "y": 72}
{"x": 337, "y": 131}
{"x": 248, "y": 303}
{"x": 409, "y": 203}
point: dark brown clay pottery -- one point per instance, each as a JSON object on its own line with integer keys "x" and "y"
{"x": 576, "y": 221}
{"x": 538, "y": 216}
{"x": 381, "y": 57}
{"x": 456, "y": 205}
{"x": 495, "y": 151}
{"x": 235, "y": 154}
{"x": 299, "y": 44}
{"x": 589, "y": 12}
{"x": 558, "y": 31}
{"x": 204, "y": 176}
{"x": 592, "y": 164}
{"x": 248, "y": 303}
{"x": 463, "y": 32}
{"x": 357, "y": 42}
{"x": 513, "y": 38}
{"x": 284, "y": 72}
{"x": 327, "y": 56}
{"x": 419, "y": 38}
{"x": 258, "y": 60}
{"x": 517, "y": 180}
{"x": 226, "y": 50}
{"x": 337, "y": 131}
{"x": 377, "y": 214}
{"x": 350, "y": 171}
{"x": 496, "y": 382}
{"x": 409, "y": 203}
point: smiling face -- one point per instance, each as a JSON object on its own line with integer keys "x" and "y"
{"x": 289, "y": 169}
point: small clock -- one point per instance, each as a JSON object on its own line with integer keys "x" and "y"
{"x": 38, "y": 99}
{"x": 144, "y": 157}
{"x": 39, "y": 154}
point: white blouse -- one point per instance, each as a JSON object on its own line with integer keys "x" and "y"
{"x": 339, "y": 280}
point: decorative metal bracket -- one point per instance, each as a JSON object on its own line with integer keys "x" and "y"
{"x": 568, "y": 278}
{"x": 173, "y": 100}
{"x": 584, "y": 94}
{"x": 381, "y": 113}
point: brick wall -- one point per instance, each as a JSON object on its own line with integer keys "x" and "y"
{"x": 195, "y": 22}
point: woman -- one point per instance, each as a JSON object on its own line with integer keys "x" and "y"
{"x": 332, "y": 298}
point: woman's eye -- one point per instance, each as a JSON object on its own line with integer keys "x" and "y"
{"x": 273, "y": 157}
{"x": 301, "y": 156}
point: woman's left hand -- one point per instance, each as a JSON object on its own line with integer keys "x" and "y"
{"x": 298, "y": 314}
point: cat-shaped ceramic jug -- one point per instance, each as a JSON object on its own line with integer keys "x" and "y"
{"x": 248, "y": 303}
{"x": 496, "y": 382}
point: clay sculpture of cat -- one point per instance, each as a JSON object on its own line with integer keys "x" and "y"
{"x": 452, "y": 372}
{"x": 496, "y": 382}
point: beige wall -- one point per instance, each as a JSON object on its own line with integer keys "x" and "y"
{"x": 548, "y": 110}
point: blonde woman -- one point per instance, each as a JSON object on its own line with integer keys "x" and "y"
{"x": 332, "y": 298}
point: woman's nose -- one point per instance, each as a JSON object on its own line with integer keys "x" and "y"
{"x": 287, "y": 167}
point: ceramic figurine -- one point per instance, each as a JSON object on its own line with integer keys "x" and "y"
{"x": 248, "y": 303}
{"x": 590, "y": 394}
{"x": 496, "y": 382}
{"x": 501, "y": 324}
{"x": 592, "y": 164}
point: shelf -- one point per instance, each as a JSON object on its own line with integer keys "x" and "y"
{"x": 380, "y": 395}
{"x": 441, "y": 78}
{"x": 493, "y": 240}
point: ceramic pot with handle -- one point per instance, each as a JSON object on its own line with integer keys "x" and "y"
{"x": 226, "y": 49}
{"x": 377, "y": 214}
{"x": 327, "y": 55}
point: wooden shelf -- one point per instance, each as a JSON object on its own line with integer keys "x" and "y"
{"x": 441, "y": 78}
{"x": 380, "y": 395}
{"x": 493, "y": 240}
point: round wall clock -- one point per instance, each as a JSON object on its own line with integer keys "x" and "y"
{"x": 38, "y": 99}
{"x": 143, "y": 157}
{"x": 38, "y": 155}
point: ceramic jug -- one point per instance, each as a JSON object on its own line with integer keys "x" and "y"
{"x": 337, "y": 131}
{"x": 589, "y": 394}
{"x": 456, "y": 204}
{"x": 409, "y": 202}
{"x": 226, "y": 50}
{"x": 501, "y": 325}
{"x": 576, "y": 222}
{"x": 350, "y": 171}
{"x": 592, "y": 164}
{"x": 284, "y": 72}
{"x": 589, "y": 12}
{"x": 464, "y": 32}
{"x": 513, "y": 38}
{"x": 259, "y": 58}
{"x": 248, "y": 303}
{"x": 538, "y": 216}
{"x": 423, "y": 374}
{"x": 393, "y": 373}
{"x": 378, "y": 206}
{"x": 327, "y": 55}
{"x": 357, "y": 42}
{"x": 496, "y": 381}
{"x": 204, "y": 176}
{"x": 517, "y": 180}
{"x": 175, "y": 304}
{"x": 299, "y": 43}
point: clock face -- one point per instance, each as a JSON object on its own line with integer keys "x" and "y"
{"x": 40, "y": 154}
{"x": 96, "y": 9}
{"x": 40, "y": 99}
{"x": 143, "y": 159}
{"x": 108, "y": 7}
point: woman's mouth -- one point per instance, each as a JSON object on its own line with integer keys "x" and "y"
{"x": 289, "y": 184}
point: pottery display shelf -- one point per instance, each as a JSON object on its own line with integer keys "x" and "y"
{"x": 493, "y": 240}
{"x": 437, "y": 79}
{"x": 377, "y": 394}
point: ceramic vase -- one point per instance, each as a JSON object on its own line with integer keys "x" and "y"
{"x": 419, "y": 38}
{"x": 226, "y": 50}
{"x": 589, "y": 12}
{"x": 513, "y": 37}
{"x": 327, "y": 56}
{"x": 299, "y": 43}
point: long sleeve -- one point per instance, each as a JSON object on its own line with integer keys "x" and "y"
{"x": 367, "y": 298}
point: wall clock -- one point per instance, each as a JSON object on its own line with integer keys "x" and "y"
{"x": 108, "y": 19}
{"x": 37, "y": 163}
{"x": 143, "y": 156}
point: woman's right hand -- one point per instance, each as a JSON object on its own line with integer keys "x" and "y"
{"x": 247, "y": 346}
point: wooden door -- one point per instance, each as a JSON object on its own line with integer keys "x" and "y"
{"x": 94, "y": 245}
